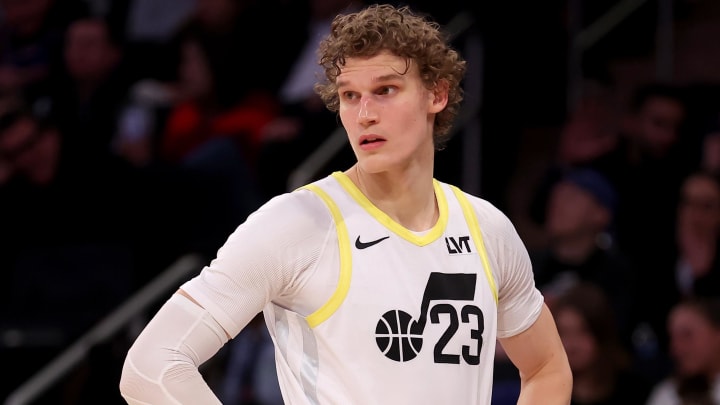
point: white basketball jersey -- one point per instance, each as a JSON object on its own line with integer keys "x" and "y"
{"x": 413, "y": 316}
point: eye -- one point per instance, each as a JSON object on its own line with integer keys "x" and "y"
{"x": 348, "y": 95}
{"x": 384, "y": 90}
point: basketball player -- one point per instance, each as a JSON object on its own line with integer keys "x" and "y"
{"x": 379, "y": 284}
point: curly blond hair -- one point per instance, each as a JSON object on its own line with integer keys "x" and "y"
{"x": 399, "y": 30}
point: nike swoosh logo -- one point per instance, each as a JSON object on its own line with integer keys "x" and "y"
{"x": 363, "y": 245}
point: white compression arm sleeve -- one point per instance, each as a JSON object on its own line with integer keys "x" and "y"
{"x": 161, "y": 367}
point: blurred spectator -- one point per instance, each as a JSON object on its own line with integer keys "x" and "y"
{"x": 692, "y": 268}
{"x": 304, "y": 122}
{"x": 710, "y": 156}
{"x": 210, "y": 96}
{"x": 208, "y": 108}
{"x": 602, "y": 369}
{"x": 697, "y": 268}
{"x": 64, "y": 242}
{"x": 210, "y": 134}
{"x": 31, "y": 36}
{"x": 27, "y": 150}
{"x": 645, "y": 157}
{"x": 645, "y": 163}
{"x": 694, "y": 328}
{"x": 579, "y": 225}
{"x": 46, "y": 199}
{"x": 87, "y": 93}
{"x": 205, "y": 121}
{"x": 589, "y": 130}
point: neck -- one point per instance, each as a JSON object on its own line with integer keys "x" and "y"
{"x": 407, "y": 198}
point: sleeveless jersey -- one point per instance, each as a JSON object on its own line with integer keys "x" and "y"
{"x": 413, "y": 316}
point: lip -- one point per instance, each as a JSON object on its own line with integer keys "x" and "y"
{"x": 370, "y": 141}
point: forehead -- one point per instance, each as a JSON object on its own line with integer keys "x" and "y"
{"x": 374, "y": 67}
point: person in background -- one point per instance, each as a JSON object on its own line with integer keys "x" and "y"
{"x": 335, "y": 266}
{"x": 710, "y": 156}
{"x": 31, "y": 41}
{"x": 649, "y": 149}
{"x": 602, "y": 366}
{"x": 579, "y": 223}
{"x": 65, "y": 243}
{"x": 692, "y": 270}
{"x": 303, "y": 123}
{"x": 694, "y": 328}
{"x": 86, "y": 94}
{"x": 645, "y": 157}
{"x": 697, "y": 268}
{"x": 211, "y": 134}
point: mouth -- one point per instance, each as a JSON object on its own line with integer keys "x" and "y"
{"x": 370, "y": 139}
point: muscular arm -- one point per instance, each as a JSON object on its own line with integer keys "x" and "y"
{"x": 540, "y": 357}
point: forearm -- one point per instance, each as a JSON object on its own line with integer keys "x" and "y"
{"x": 162, "y": 365}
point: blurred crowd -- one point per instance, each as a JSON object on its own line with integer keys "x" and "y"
{"x": 133, "y": 132}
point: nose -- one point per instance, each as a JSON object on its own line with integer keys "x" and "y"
{"x": 366, "y": 114}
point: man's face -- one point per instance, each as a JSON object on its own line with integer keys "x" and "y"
{"x": 658, "y": 124}
{"x": 580, "y": 344}
{"x": 573, "y": 211}
{"x": 387, "y": 112}
{"x": 699, "y": 209}
{"x": 89, "y": 54}
{"x": 694, "y": 342}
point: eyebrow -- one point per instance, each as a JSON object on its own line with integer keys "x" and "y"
{"x": 378, "y": 79}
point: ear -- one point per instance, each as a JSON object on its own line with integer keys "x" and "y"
{"x": 439, "y": 96}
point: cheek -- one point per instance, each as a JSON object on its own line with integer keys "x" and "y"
{"x": 349, "y": 120}
{"x": 344, "y": 113}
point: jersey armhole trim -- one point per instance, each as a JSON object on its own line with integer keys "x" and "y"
{"x": 474, "y": 225}
{"x": 324, "y": 312}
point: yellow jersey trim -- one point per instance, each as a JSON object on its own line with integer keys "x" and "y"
{"x": 324, "y": 312}
{"x": 474, "y": 225}
{"x": 433, "y": 234}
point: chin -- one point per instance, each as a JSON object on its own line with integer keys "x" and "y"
{"x": 372, "y": 166}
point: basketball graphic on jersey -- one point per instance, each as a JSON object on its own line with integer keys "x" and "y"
{"x": 399, "y": 337}
{"x": 394, "y": 338}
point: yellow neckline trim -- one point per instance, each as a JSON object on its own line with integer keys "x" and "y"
{"x": 435, "y": 232}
